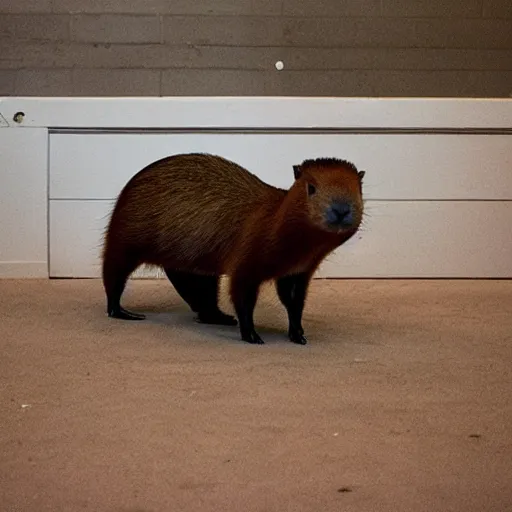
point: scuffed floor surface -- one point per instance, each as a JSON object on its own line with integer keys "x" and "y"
{"x": 402, "y": 401}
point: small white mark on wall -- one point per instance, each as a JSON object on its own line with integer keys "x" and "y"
{"x": 279, "y": 65}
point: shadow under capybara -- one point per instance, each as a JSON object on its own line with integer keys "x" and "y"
{"x": 200, "y": 216}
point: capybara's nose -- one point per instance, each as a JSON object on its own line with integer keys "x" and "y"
{"x": 340, "y": 213}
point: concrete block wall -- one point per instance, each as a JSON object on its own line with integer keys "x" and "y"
{"x": 460, "y": 48}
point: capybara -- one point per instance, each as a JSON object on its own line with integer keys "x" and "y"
{"x": 201, "y": 216}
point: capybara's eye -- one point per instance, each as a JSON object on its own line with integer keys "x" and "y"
{"x": 311, "y": 189}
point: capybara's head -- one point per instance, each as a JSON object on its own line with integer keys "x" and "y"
{"x": 332, "y": 190}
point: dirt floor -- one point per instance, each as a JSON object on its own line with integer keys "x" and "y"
{"x": 402, "y": 401}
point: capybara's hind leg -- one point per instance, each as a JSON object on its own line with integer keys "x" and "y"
{"x": 201, "y": 294}
{"x": 115, "y": 275}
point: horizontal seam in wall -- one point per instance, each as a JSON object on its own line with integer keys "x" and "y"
{"x": 283, "y": 45}
{"x": 261, "y": 69}
{"x": 270, "y": 68}
{"x": 281, "y": 131}
{"x": 149, "y": 13}
{"x": 329, "y": 17}
{"x": 368, "y": 199}
{"x": 451, "y": 17}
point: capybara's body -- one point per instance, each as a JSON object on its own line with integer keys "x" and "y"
{"x": 201, "y": 216}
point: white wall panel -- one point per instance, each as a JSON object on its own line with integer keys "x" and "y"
{"x": 429, "y": 239}
{"x": 76, "y": 237}
{"x": 85, "y": 166}
{"x": 23, "y": 203}
{"x": 399, "y": 239}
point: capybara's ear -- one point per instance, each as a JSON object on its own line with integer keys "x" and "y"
{"x": 361, "y": 174}
{"x": 297, "y": 171}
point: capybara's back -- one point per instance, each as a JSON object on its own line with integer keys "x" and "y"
{"x": 200, "y": 216}
{"x": 185, "y": 212}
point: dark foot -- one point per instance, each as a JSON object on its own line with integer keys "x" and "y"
{"x": 297, "y": 337}
{"x": 252, "y": 337}
{"x": 216, "y": 318}
{"x": 124, "y": 314}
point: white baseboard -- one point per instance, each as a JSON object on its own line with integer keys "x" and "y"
{"x": 23, "y": 269}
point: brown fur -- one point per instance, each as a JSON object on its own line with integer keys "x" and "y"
{"x": 205, "y": 215}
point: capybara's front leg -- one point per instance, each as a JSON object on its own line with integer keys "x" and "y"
{"x": 292, "y": 292}
{"x": 244, "y": 294}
